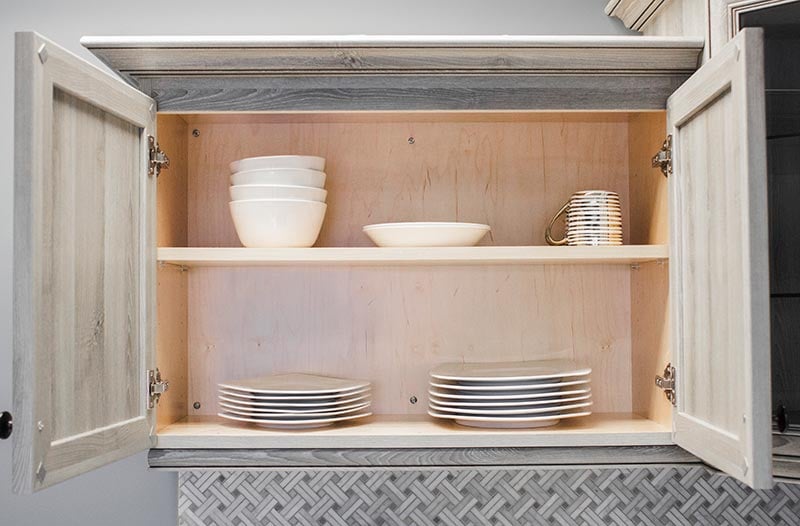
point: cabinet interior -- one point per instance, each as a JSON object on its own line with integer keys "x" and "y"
{"x": 391, "y": 323}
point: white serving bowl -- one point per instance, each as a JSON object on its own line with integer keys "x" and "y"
{"x": 270, "y": 191}
{"x": 262, "y": 223}
{"x": 279, "y": 161}
{"x": 426, "y": 234}
{"x": 280, "y": 176}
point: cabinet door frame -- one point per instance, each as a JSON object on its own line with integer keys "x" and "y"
{"x": 39, "y": 459}
{"x": 732, "y": 433}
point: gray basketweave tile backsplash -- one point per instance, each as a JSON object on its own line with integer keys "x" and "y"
{"x": 646, "y": 495}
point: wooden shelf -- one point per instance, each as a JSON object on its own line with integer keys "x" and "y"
{"x": 225, "y": 257}
{"x": 415, "y": 431}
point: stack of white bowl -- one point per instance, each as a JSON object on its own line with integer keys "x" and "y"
{"x": 278, "y": 201}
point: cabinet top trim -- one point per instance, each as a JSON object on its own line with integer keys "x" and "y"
{"x": 635, "y": 14}
{"x": 225, "y": 56}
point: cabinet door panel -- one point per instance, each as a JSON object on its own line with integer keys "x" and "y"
{"x": 83, "y": 267}
{"x": 719, "y": 262}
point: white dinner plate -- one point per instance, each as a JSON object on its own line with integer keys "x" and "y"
{"x": 297, "y": 404}
{"x": 296, "y": 384}
{"x": 483, "y": 397}
{"x": 508, "y": 422}
{"x": 505, "y": 404}
{"x": 508, "y": 371}
{"x": 512, "y": 388}
{"x": 281, "y": 414}
{"x": 546, "y": 410}
{"x": 292, "y": 397}
{"x": 296, "y": 424}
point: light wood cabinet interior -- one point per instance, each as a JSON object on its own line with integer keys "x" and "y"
{"x": 391, "y": 323}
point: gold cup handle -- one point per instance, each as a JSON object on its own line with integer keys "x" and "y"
{"x": 548, "y": 233}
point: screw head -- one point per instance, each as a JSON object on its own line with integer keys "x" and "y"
{"x": 195, "y": 133}
{"x": 40, "y": 425}
{"x": 413, "y": 400}
{"x": 411, "y": 140}
{"x": 196, "y": 405}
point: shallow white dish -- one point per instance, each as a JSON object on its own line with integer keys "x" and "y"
{"x": 505, "y": 404}
{"x": 247, "y": 192}
{"x": 282, "y": 176}
{"x": 304, "y": 403}
{"x": 266, "y": 223}
{"x": 310, "y": 162}
{"x": 277, "y": 397}
{"x": 426, "y": 234}
{"x": 551, "y": 410}
{"x": 494, "y": 398}
{"x": 508, "y": 371}
{"x": 297, "y": 384}
{"x": 518, "y": 388}
{"x": 292, "y": 424}
{"x": 283, "y": 413}
{"x": 509, "y": 422}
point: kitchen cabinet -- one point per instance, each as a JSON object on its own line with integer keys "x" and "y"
{"x": 128, "y": 275}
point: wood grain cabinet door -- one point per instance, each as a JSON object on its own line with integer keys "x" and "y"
{"x": 719, "y": 283}
{"x": 84, "y": 263}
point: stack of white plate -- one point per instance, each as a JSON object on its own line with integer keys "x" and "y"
{"x": 510, "y": 394}
{"x": 278, "y": 201}
{"x": 594, "y": 218}
{"x": 294, "y": 401}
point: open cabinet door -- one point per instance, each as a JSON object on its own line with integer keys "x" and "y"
{"x": 719, "y": 283}
{"x": 84, "y": 265}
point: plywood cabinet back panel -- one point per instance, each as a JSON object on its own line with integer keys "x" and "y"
{"x": 392, "y": 324}
{"x": 511, "y": 173}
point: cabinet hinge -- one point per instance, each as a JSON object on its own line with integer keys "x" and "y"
{"x": 663, "y": 159}
{"x": 156, "y": 387}
{"x": 667, "y": 383}
{"x": 158, "y": 159}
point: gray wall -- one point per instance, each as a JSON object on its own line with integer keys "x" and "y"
{"x": 125, "y": 493}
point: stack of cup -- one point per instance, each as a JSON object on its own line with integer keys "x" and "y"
{"x": 594, "y": 218}
{"x": 278, "y": 201}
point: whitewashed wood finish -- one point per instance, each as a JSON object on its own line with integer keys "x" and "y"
{"x": 415, "y": 431}
{"x": 84, "y": 260}
{"x": 511, "y": 171}
{"x": 687, "y": 18}
{"x": 719, "y": 284}
{"x": 635, "y": 14}
{"x": 231, "y": 257}
{"x": 392, "y": 324}
{"x": 180, "y": 459}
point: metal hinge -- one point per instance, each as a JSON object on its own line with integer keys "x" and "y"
{"x": 667, "y": 383}
{"x": 156, "y": 387}
{"x": 663, "y": 159}
{"x": 158, "y": 159}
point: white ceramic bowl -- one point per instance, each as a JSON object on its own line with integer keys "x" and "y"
{"x": 269, "y": 191}
{"x": 280, "y": 176}
{"x": 262, "y": 223}
{"x": 426, "y": 234}
{"x": 279, "y": 161}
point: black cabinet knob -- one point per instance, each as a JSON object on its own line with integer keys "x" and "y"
{"x": 6, "y": 425}
{"x": 780, "y": 418}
